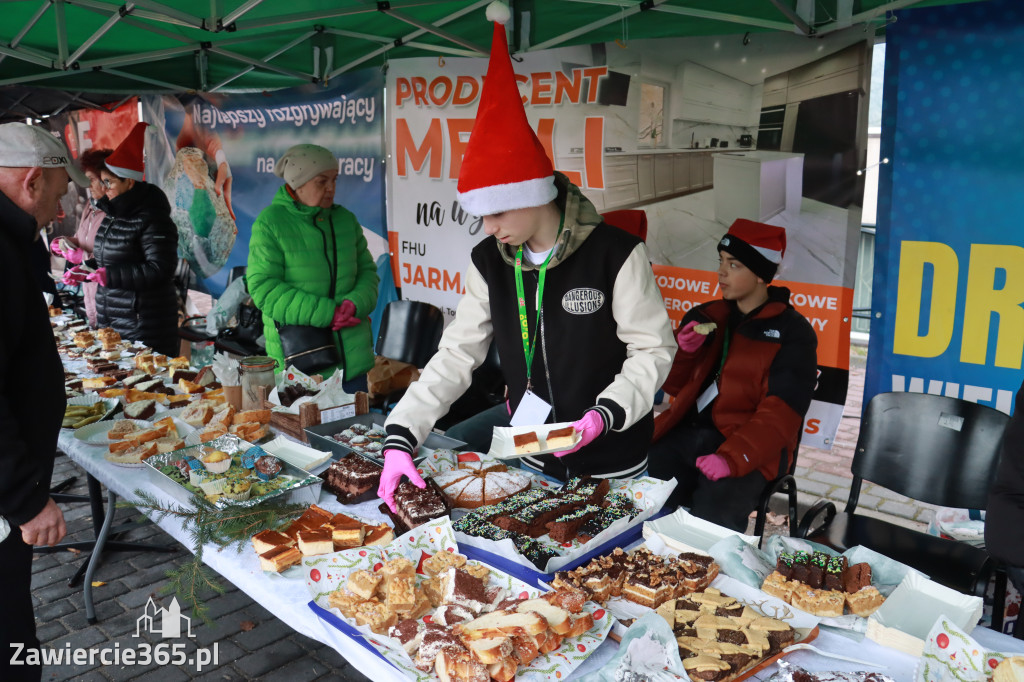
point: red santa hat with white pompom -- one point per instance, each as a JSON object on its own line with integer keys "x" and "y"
{"x": 127, "y": 160}
{"x": 505, "y": 166}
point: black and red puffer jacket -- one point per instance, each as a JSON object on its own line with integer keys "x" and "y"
{"x": 765, "y": 387}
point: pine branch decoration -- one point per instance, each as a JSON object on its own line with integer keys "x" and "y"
{"x": 205, "y": 524}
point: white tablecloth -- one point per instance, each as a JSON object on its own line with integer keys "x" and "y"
{"x": 287, "y": 598}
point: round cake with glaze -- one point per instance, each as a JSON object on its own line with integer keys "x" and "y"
{"x": 469, "y": 488}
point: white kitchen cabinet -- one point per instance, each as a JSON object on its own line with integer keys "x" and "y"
{"x": 681, "y": 181}
{"x": 663, "y": 181}
{"x": 756, "y": 185}
{"x": 645, "y": 176}
{"x": 709, "y": 96}
{"x": 774, "y": 93}
{"x": 696, "y": 164}
{"x": 836, "y": 73}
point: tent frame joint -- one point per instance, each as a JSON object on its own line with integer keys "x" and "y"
{"x": 383, "y": 6}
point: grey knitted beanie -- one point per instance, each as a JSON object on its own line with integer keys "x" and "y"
{"x": 302, "y": 163}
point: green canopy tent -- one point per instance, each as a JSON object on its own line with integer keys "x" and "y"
{"x": 58, "y": 54}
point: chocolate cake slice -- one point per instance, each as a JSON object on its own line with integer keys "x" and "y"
{"x": 416, "y": 506}
{"x": 352, "y": 479}
{"x": 593, "y": 489}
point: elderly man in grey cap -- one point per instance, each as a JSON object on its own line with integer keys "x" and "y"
{"x": 34, "y": 171}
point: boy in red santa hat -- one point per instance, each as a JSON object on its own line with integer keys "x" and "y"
{"x": 570, "y": 301}
{"x": 743, "y": 379}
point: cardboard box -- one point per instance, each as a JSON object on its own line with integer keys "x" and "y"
{"x": 907, "y": 616}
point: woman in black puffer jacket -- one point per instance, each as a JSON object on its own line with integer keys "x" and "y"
{"x": 137, "y": 243}
{"x": 135, "y": 253}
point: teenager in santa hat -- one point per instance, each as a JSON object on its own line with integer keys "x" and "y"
{"x": 135, "y": 253}
{"x": 742, "y": 380}
{"x": 570, "y": 302}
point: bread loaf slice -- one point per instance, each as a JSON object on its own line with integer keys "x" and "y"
{"x": 557, "y": 618}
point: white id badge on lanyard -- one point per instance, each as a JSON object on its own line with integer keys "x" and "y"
{"x": 709, "y": 394}
{"x": 532, "y": 410}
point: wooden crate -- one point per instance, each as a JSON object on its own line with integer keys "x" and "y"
{"x": 309, "y": 414}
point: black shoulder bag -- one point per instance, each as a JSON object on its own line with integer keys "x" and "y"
{"x": 311, "y": 349}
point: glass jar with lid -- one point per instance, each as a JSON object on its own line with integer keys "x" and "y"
{"x": 256, "y": 370}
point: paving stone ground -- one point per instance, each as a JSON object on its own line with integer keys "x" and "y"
{"x": 251, "y": 643}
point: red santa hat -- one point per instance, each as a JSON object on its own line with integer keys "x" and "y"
{"x": 759, "y": 246}
{"x": 127, "y": 160}
{"x": 505, "y": 166}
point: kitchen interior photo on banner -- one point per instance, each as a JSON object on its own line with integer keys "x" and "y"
{"x": 768, "y": 127}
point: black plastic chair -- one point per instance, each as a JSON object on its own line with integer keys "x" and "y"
{"x": 486, "y": 390}
{"x": 410, "y": 332}
{"x": 931, "y": 448}
{"x": 783, "y": 483}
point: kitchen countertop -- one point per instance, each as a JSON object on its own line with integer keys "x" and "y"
{"x": 640, "y": 152}
{"x": 756, "y": 156}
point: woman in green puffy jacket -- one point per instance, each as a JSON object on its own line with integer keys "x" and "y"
{"x": 298, "y": 244}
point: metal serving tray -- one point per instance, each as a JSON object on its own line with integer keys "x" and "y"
{"x": 320, "y": 438}
{"x": 304, "y": 489}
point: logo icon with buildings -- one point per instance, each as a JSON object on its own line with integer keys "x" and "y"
{"x": 166, "y": 622}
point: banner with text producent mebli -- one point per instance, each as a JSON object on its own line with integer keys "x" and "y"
{"x": 695, "y": 132}
{"x": 948, "y": 294}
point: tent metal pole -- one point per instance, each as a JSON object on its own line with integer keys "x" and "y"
{"x": 62, "y": 34}
{"x": 619, "y": 16}
{"x": 28, "y": 26}
{"x": 272, "y": 55}
{"x": 261, "y": 64}
{"x": 104, "y": 9}
{"x": 177, "y": 87}
{"x": 369, "y": 37}
{"x": 723, "y": 16}
{"x": 26, "y": 56}
{"x": 100, "y": 32}
{"x": 415, "y": 34}
{"x": 710, "y": 15}
{"x": 154, "y": 56}
{"x": 450, "y": 51}
{"x": 797, "y": 20}
{"x": 283, "y": 19}
{"x": 232, "y": 16}
{"x": 866, "y": 16}
{"x": 202, "y": 68}
{"x": 430, "y": 28}
{"x": 35, "y": 77}
{"x": 164, "y": 12}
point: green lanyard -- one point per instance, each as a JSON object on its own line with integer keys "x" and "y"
{"x": 725, "y": 351}
{"x": 530, "y": 346}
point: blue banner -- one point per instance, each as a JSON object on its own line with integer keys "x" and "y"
{"x": 949, "y": 252}
{"x": 249, "y": 133}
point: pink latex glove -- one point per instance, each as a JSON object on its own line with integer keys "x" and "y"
{"x": 396, "y": 464}
{"x": 688, "y": 339}
{"x": 74, "y": 255}
{"x": 589, "y": 427}
{"x": 100, "y": 277}
{"x": 714, "y": 467}
{"x": 74, "y": 276}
